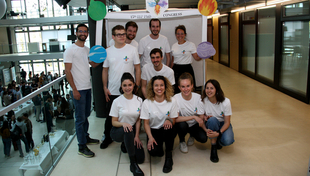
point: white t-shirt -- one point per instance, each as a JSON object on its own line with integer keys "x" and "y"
{"x": 148, "y": 72}
{"x": 80, "y": 71}
{"x": 133, "y": 43}
{"x": 125, "y": 110}
{"x": 157, "y": 113}
{"x": 146, "y": 45}
{"x": 217, "y": 110}
{"x": 183, "y": 53}
{"x": 191, "y": 107}
{"x": 119, "y": 61}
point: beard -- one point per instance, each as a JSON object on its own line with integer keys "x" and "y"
{"x": 155, "y": 34}
{"x": 130, "y": 37}
{"x": 82, "y": 39}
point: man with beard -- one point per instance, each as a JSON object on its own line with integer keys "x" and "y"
{"x": 155, "y": 68}
{"x": 154, "y": 40}
{"x": 78, "y": 75}
{"x": 131, "y": 28}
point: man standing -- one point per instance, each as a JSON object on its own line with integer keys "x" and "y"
{"x": 154, "y": 69}
{"x": 121, "y": 58}
{"x": 78, "y": 75}
{"x": 131, "y": 28}
{"x": 154, "y": 40}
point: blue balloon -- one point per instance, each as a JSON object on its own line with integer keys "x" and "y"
{"x": 97, "y": 54}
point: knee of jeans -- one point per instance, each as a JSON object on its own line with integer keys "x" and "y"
{"x": 212, "y": 124}
{"x": 182, "y": 125}
{"x": 226, "y": 141}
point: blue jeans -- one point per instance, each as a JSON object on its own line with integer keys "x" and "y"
{"x": 228, "y": 135}
{"x": 7, "y": 146}
{"x": 82, "y": 111}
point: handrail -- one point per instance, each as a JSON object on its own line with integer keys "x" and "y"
{"x": 29, "y": 96}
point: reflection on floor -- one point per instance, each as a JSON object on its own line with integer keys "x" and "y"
{"x": 271, "y": 133}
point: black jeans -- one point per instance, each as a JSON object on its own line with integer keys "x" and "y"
{"x": 195, "y": 131}
{"x": 119, "y": 135}
{"x": 161, "y": 135}
{"x": 108, "y": 120}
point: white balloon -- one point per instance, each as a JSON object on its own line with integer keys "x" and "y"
{"x": 2, "y": 8}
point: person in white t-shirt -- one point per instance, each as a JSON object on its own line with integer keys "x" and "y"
{"x": 191, "y": 119}
{"x": 121, "y": 58}
{"x": 159, "y": 111}
{"x": 78, "y": 75}
{"x": 125, "y": 112}
{"x": 155, "y": 68}
{"x": 154, "y": 40}
{"x": 131, "y": 28}
{"x": 217, "y": 116}
{"x": 183, "y": 52}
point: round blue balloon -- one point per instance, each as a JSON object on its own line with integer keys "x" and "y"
{"x": 97, "y": 54}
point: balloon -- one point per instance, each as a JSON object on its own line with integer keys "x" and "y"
{"x": 2, "y": 8}
{"x": 97, "y": 10}
{"x": 205, "y": 50}
{"x": 97, "y": 54}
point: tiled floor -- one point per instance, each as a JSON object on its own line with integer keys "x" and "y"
{"x": 271, "y": 138}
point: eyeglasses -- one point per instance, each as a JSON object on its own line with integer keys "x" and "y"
{"x": 120, "y": 35}
{"x": 80, "y": 31}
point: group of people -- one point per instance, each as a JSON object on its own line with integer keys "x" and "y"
{"x": 143, "y": 75}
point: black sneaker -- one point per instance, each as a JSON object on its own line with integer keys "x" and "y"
{"x": 86, "y": 152}
{"x": 92, "y": 141}
{"x": 105, "y": 143}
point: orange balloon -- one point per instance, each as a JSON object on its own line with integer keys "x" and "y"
{"x": 207, "y": 7}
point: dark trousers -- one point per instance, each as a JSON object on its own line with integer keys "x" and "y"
{"x": 29, "y": 140}
{"x": 195, "y": 131}
{"x": 178, "y": 71}
{"x": 161, "y": 135}
{"x": 108, "y": 120}
{"x": 119, "y": 135}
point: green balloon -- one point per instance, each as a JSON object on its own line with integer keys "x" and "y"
{"x": 97, "y": 10}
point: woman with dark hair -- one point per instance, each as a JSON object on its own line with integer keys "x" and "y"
{"x": 191, "y": 112}
{"x": 125, "y": 112}
{"x": 159, "y": 112}
{"x": 217, "y": 115}
{"x": 183, "y": 53}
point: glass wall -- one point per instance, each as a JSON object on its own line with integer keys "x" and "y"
{"x": 295, "y": 56}
{"x": 224, "y": 40}
{"x": 248, "y": 48}
{"x": 266, "y": 43}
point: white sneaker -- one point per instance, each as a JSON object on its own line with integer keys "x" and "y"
{"x": 183, "y": 147}
{"x": 190, "y": 141}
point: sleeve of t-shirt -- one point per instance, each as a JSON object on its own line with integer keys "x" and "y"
{"x": 114, "y": 109}
{"x": 167, "y": 47}
{"x": 200, "y": 110}
{"x": 144, "y": 111}
{"x": 172, "y": 48}
{"x": 174, "y": 109}
{"x": 68, "y": 56}
{"x": 106, "y": 63}
{"x": 136, "y": 59}
{"x": 143, "y": 73}
{"x": 141, "y": 47}
{"x": 171, "y": 78}
{"x": 227, "y": 107}
{"x": 193, "y": 48}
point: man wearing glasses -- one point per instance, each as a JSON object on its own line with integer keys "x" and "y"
{"x": 131, "y": 28}
{"x": 154, "y": 40}
{"x": 78, "y": 75}
{"x": 121, "y": 58}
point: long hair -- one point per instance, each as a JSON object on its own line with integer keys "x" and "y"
{"x": 219, "y": 94}
{"x": 128, "y": 76}
{"x": 168, "y": 88}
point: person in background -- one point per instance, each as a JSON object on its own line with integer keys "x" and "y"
{"x": 23, "y": 75}
{"x": 29, "y": 131}
{"x": 71, "y": 106}
{"x": 217, "y": 116}
{"x": 18, "y": 94}
{"x": 6, "y": 138}
{"x": 37, "y": 101}
{"x": 7, "y": 98}
{"x": 159, "y": 112}
{"x": 20, "y": 124}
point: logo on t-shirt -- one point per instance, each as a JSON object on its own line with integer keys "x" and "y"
{"x": 183, "y": 51}
{"x": 195, "y": 110}
{"x": 126, "y": 58}
{"x": 161, "y": 48}
{"x": 222, "y": 114}
{"x": 139, "y": 110}
{"x": 168, "y": 114}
